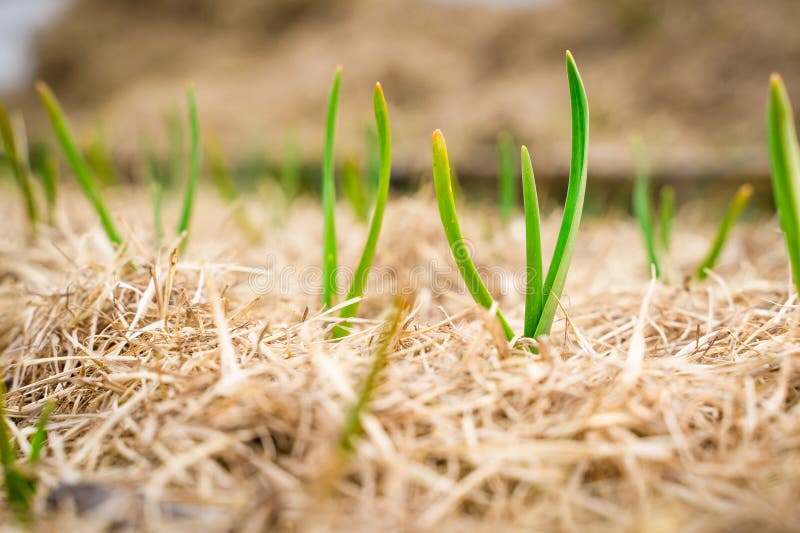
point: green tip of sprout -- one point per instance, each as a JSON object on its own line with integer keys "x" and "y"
{"x": 352, "y": 426}
{"x": 542, "y": 295}
{"x": 573, "y": 205}
{"x": 642, "y": 202}
{"x": 533, "y": 247}
{"x": 507, "y": 197}
{"x": 226, "y": 188}
{"x": 784, "y": 155}
{"x": 447, "y": 211}
{"x": 20, "y": 484}
{"x": 359, "y": 282}
{"x": 79, "y": 167}
{"x": 666, "y": 208}
{"x": 735, "y": 208}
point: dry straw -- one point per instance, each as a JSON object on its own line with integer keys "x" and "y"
{"x": 675, "y": 414}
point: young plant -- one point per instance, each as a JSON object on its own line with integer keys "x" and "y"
{"x": 735, "y": 208}
{"x": 290, "y": 169}
{"x": 507, "y": 182}
{"x": 76, "y": 161}
{"x": 642, "y": 206}
{"x": 361, "y": 273}
{"x": 329, "y": 261}
{"x": 44, "y": 166}
{"x": 19, "y": 168}
{"x": 49, "y": 177}
{"x": 227, "y": 190}
{"x": 19, "y": 480}
{"x": 541, "y": 296}
{"x": 784, "y": 154}
{"x": 354, "y": 189}
{"x": 155, "y": 172}
{"x": 533, "y": 248}
{"x": 666, "y": 209}
{"x": 194, "y": 167}
{"x": 352, "y": 429}
{"x": 173, "y": 124}
{"x": 99, "y": 157}
{"x": 447, "y": 211}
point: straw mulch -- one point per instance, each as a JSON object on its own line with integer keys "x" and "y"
{"x": 189, "y": 397}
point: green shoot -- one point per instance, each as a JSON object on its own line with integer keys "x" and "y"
{"x": 49, "y": 177}
{"x": 20, "y": 488}
{"x": 735, "y": 208}
{"x": 290, "y": 169}
{"x": 573, "y": 206}
{"x": 44, "y": 165}
{"x": 353, "y": 186}
{"x": 8, "y": 457}
{"x": 361, "y": 273}
{"x": 447, "y": 211}
{"x": 666, "y": 208}
{"x": 175, "y": 147}
{"x": 76, "y": 161}
{"x": 157, "y": 177}
{"x": 226, "y": 188}
{"x": 219, "y": 170}
{"x": 37, "y": 442}
{"x": 642, "y": 206}
{"x": 20, "y": 484}
{"x": 352, "y": 426}
{"x": 99, "y": 158}
{"x": 541, "y": 299}
{"x": 507, "y": 182}
{"x": 329, "y": 262}
{"x": 784, "y": 154}
{"x": 194, "y": 166}
{"x": 18, "y": 168}
{"x": 533, "y": 247}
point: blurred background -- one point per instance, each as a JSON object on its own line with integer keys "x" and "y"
{"x": 689, "y": 76}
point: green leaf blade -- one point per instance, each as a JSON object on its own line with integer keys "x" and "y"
{"x": 185, "y": 219}
{"x": 354, "y": 189}
{"x": 533, "y": 247}
{"x": 507, "y": 182}
{"x": 79, "y": 166}
{"x": 735, "y": 208}
{"x": 361, "y": 274}
{"x": 352, "y": 426}
{"x": 785, "y": 163}
{"x": 666, "y": 209}
{"x": 291, "y": 174}
{"x": 18, "y": 169}
{"x": 40, "y": 435}
{"x": 573, "y": 207}
{"x": 329, "y": 253}
{"x": 458, "y": 247}
{"x": 642, "y": 203}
